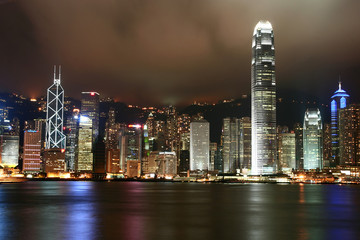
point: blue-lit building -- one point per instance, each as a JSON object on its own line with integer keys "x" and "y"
{"x": 339, "y": 100}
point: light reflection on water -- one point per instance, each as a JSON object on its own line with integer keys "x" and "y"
{"x": 133, "y": 210}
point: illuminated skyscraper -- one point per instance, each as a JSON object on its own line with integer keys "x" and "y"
{"x": 85, "y": 144}
{"x": 90, "y": 108}
{"x": 231, "y": 144}
{"x": 339, "y": 100}
{"x": 287, "y": 153}
{"x": 313, "y": 139}
{"x": 299, "y": 148}
{"x": 263, "y": 100}
{"x": 55, "y": 114}
{"x": 213, "y": 150}
{"x": 199, "y": 145}
{"x": 72, "y": 134}
{"x": 130, "y": 144}
{"x": 349, "y": 137}
{"x": 32, "y": 150}
{"x": 245, "y": 143}
{"x": 327, "y": 154}
{"x": 9, "y": 145}
{"x": 112, "y": 135}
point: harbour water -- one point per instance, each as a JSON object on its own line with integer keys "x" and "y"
{"x": 154, "y": 210}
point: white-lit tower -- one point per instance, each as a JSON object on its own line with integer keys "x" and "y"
{"x": 263, "y": 100}
{"x": 313, "y": 132}
{"x": 55, "y": 114}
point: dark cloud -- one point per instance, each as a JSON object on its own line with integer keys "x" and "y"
{"x": 152, "y": 52}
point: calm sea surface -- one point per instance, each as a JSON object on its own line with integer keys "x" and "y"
{"x": 139, "y": 210}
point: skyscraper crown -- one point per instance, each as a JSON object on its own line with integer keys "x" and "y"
{"x": 263, "y": 25}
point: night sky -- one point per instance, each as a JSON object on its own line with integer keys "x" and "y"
{"x": 174, "y": 52}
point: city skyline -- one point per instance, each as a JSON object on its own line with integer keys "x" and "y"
{"x": 202, "y": 58}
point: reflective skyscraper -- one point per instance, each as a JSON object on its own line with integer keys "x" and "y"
{"x": 90, "y": 108}
{"x": 199, "y": 145}
{"x": 339, "y": 101}
{"x": 85, "y": 145}
{"x": 231, "y": 144}
{"x": 312, "y": 139}
{"x": 263, "y": 100}
{"x": 55, "y": 114}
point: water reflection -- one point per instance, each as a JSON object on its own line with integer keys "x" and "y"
{"x": 130, "y": 210}
{"x": 80, "y": 222}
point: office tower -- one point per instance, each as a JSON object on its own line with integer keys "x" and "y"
{"x": 213, "y": 150}
{"x": 72, "y": 134}
{"x": 112, "y": 135}
{"x": 184, "y": 163}
{"x": 199, "y": 145}
{"x": 218, "y": 165}
{"x": 287, "y": 152}
{"x": 85, "y": 145}
{"x": 171, "y": 134}
{"x": 339, "y": 101}
{"x": 231, "y": 144}
{"x": 166, "y": 164}
{"x": 99, "y": 153}
{"x": 150, "y": 123}
{"x": 312, "y": 139}
{"x": 299, "y": 148}
{"x": 32, "y": 151}
{"x": 185, "y": 141}
{"x": 133, "y": 168}
{"x": 263, "y": 100}
{"x": 130, "y": 144}
{"x": 40, "y": 126}
{"x": 349, "y": 129}
{"x": 90, "y": 108}
{"x": 55, "y": 114}
{"x": 9, "y": 145}
{"x": 327, "y": 145}
{"x": 54, "y": 161}
{"x": 245, "y": 143}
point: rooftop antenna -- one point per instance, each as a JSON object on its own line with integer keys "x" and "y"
{"x": 339, "y": 82}
{"x": 54, "y": 72}
{"x": 57, "y": 80}
{"x": 59, "y": 72}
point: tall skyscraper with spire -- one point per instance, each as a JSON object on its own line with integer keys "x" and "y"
{"x": 55, "y": 114}
{"x": 263, "y": 100}
{"x": 339, "y": 100}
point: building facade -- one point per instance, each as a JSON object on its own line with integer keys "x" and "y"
{"x": 85, "y": 145}
{"x": 90, "y": 108}
{"x": 313, "y": 130}
{"x": 231, "y": 144}
{"x": 245, "y": 144}
{"x": 287, "y": 152}
{"x": 199, "y": 145}
{"x": 349, "y": 137}
{"x": 72, "y": 134}
{"x": 32, "y": 151}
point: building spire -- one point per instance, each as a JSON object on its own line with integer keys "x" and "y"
{"x": 54, "y": 73}
{"x": 59, "y": 73}
{"x": 340, "y": 82}
{"x": 57, "y": 80}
